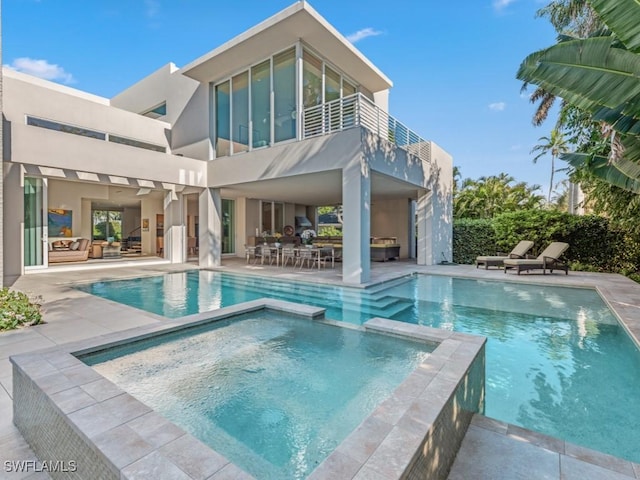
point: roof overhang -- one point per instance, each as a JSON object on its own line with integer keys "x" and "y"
{"x": 297, "y": 22}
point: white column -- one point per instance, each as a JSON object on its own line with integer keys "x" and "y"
{"x": 210, "y": 224}
{"x": 356, "y": 204}
{"x": 440, "y": 222}
{"x": 175, "y": 228}
{"x": 423, "y": 214}
{"x": 412, "y": 230}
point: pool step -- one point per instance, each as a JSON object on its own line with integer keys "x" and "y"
{"x": 379, "y": 287}
{"x": 302, "y": 292}
{"x": 355, "y": 303}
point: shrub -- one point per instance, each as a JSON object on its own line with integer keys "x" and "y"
{"x": 472, "y": 237}
{"x": 17, "y": 309}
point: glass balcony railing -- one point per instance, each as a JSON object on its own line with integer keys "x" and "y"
{"x": 357, "y": 110}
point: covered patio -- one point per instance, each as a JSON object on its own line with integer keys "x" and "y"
{"x": 384, "y": 191}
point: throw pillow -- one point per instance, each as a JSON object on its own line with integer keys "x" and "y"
{"x": 74, "y": 245}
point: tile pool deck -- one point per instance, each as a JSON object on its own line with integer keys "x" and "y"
{"x": 490, "y": 450}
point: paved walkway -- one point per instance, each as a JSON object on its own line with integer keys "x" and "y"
{"x": 491, "y": 449}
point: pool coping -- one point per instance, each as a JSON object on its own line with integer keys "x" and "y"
{"x": 132, "y": 440}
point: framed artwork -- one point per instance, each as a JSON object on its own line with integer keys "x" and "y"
{"x": 60, "y": 222}
{"x": 145, "y": 224}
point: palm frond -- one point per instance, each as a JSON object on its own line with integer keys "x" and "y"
{"x": 546, "y": 100}
{"x": 622, "y": 17}
{"x": 621, "y": 123}
{"x": 588, "y": 73}
{"x": 601, "y": 168}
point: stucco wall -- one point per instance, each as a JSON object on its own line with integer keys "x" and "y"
{"x": 187, "y": 107}
{"x": 50, "y": 148}
{"x": 390, "y": 218}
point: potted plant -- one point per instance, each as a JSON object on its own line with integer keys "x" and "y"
{"x": 277, "y": 236}
{"x": 307, "y": 237}
{"x": 264, "y": 236}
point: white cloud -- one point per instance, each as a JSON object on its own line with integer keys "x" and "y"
{"x": 41, "y": 69}
{"x": 500, "y": 5}
{"x": 497, "y": 106}
{"x": 364, "y": 33}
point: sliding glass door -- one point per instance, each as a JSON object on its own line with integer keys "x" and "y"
{"x": 35, "y": 228}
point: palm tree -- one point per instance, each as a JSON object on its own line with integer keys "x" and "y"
{"x": 556, "y": 146}
{"x": 493, "y": 195}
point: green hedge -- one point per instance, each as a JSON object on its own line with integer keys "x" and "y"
{"x": 595, "y": 243}
{"x": 472, "y": 237}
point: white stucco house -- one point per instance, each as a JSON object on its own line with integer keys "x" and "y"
{"x": 283, "y": 118}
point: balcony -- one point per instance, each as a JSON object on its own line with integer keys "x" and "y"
{"x": 358, "y": 111}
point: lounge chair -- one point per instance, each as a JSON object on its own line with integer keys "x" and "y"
{"x": 548, "y": 259}
{"x": 519, "y": 251}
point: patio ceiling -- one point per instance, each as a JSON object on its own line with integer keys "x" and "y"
{"x": 124, "y": 197}
{"x": 317, "y": 189}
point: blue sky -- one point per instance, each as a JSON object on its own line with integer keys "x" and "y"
{"x": 453, "y": 64}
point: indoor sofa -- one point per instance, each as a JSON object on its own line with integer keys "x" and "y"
{"x": 74, "y": 251}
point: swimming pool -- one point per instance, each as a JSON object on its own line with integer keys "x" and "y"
{"x": 558, "y": 362}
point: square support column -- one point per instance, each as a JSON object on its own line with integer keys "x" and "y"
{"x": 210, "y": 225}
{"x": 175, "y": 230}
{"x": 412, "y": 229}
{"x": 423, "y": 216}
{"x": 356, "y": 231}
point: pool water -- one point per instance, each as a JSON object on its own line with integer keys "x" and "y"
{"x": 274, "y": 394}
{"x": 558, "y": 362}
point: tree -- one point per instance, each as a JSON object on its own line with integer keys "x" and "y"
{"x": 490, "y": 196}
{"x": 554, "y": 145}
{"x": 601, "y": 75}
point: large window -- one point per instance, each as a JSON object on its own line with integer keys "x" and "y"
{"x": 107, "y": 225}
{"x": 331, "y": 85}
{"x": 240, "y": 112}
{"x": 261, "y": 104}
{"x": 272, "y": 217}
{"x": 311, "y": 80}
{"x": 223, "y": 120}
{"x": 284, "y": 95}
